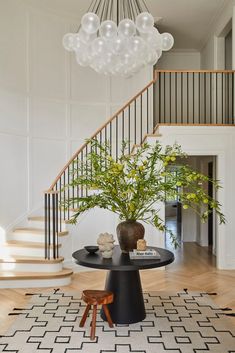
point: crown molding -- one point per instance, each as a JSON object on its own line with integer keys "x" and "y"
{"x": 181, "y": 50}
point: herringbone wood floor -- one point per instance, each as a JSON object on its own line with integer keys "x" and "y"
{"x": 194, "y": 269}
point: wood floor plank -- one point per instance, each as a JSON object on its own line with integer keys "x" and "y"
{"x": 193, "y": 269}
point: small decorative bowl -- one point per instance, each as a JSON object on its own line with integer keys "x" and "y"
{"x": 91, "y": 249}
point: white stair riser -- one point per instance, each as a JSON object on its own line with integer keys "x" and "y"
{"x": 23, "y": 251}
{"x": 36, "y": 283}
{"x": 28, "y": 267}
{"x": 28, "y": 237}
{"x": 40, "y": 224}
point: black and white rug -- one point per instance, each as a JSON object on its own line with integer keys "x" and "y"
{"x": 176, "y": 322}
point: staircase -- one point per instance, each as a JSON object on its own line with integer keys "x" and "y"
{"x": 30, "y": 255}
{"x": 23, "y": 262}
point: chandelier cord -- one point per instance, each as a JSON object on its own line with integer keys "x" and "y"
{"x": 105, "y": 9}
{"x": 134, "y": 15}
{"x": 96, "y": 8}
{"x": 145, "y": 5}
{"x": 93, "y": 6}
{"x": 136, "y": 7}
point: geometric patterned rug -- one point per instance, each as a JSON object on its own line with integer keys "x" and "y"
{"x": 185, "y": 322}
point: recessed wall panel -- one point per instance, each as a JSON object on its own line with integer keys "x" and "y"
{"x": 13, "y": 39}
{"x": 86, "y": 119}
{"x": 86, "y": 84}
{"x": 13, "y": 177}
{"x": 48, "y": 118}
{"x": 47, "y": 59}
{"x": 13, "y": 112}
{"x": 48, "y": 157}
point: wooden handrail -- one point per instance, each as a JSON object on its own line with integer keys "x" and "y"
{"x": 197, "y": 71}
{"x": 101, "y": 128}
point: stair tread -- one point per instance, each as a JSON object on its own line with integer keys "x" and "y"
{"x": 29, "y": 244}
{"x": 29, "y": 259}
{"x": 28, "y": 229}
{"x": 40, "y": 219}
{"x": 11, "y": 275}
{"x": 35, "y": 230}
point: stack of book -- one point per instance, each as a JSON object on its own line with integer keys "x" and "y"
{"x": 149, "y": 254}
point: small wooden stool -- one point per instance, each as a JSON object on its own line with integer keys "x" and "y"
{"x": 96, "y": 297}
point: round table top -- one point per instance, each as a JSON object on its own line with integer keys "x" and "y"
{"x": 120, "y": 261}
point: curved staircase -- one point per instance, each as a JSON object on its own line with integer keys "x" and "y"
{"x": 22, "y": 259}
{"x": 30, "y": 255}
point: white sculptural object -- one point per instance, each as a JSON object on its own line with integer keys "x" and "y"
{"x": 106, "y": 245}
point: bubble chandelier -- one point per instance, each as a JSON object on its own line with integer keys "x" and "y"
{"x": 117, "y": 37}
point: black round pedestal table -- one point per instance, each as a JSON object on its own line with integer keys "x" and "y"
{"x": 124, "y": 281}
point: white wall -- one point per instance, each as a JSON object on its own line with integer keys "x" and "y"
{"x": 48, "y": 104}
{"x": 208, "y": 55}
{"x": 212, "y": 54}
{"x": 179, "y": 60}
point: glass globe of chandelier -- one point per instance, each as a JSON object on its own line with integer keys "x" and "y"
{"x": 117, "y": 37}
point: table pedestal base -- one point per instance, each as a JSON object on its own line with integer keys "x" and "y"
{"x": 128, "y": 305}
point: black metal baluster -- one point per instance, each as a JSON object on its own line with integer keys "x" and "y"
{"x": 101, "y": 160}
{"x": 193, "y": 97}
{"x": 232, "y": 98}
{"x": 116, "y": 138}
{"x": 73, "y": 189}
{"x": 227, "y": 118}
{"x": 129, "y": 129}
{"x": 49, "y": 227}
{"x": 170, "y": 77}
{"x": 64, "y": 208}
{"x": 164, "y": 96}
{"x": 77, "y": 176}
{"x": 53, "y": 227}
{"x": 160, "y": 98}
{"x": 106, "y": 146}
{"x": 46, "y": 224}
{"x": 68, "y": 193}
{"x": 123, "y": 126}
{"x": 56, "y": 188}
{"x": 147, "y": 110}
{"x": 141, "y": 118}
{"x": 176, "y": 98}
{"x": 60, "y": 210}
{"x": 187, "y": 98}
{"x": 211, "y": 108}
{"x": 105, "y": 134}
{"x": 199, "y": 97}
{"x": 135, "y": 119}
{"x": 222, "y": 98}
{"x": 57, "y": 223}
{"x": 101, "y": 137}
{"x": 182, "y": 98}
{"x": 205, "y": 100}
{"x": 86, "y": 148}
{"x": 110, "y": 133}
{"x": 82, "y": 170}
{"x": 91, "y": 166}
{"x": 216, "y": 100}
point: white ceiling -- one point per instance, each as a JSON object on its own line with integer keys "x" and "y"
{"x": 188, "y": 20}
